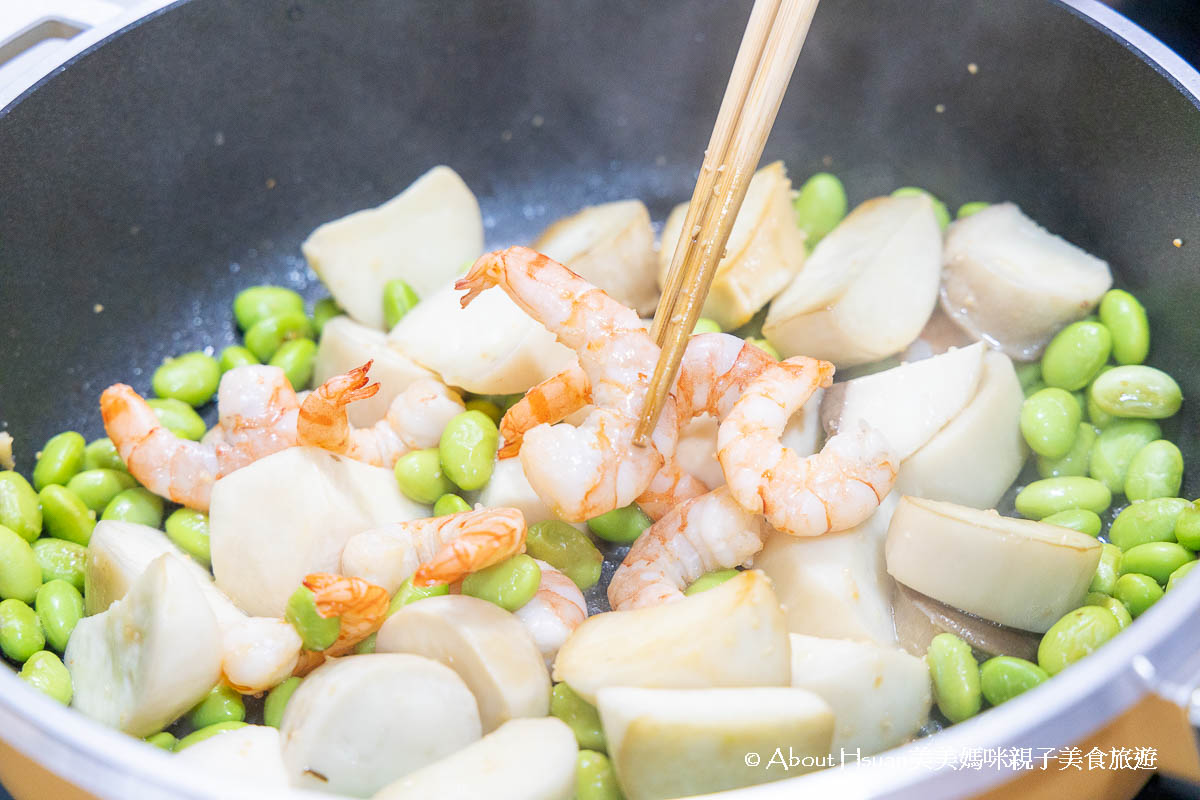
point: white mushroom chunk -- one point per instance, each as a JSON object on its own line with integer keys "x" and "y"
{"x": 249, "y": 756}
{"x": 356, "y": 724}
{"x": 425, "y": 235}
{"x": 487, "y": 646}
{"x": 939, "y": 335}
{"x": 1011, "y": 282}
{"x": 150, "y": 657}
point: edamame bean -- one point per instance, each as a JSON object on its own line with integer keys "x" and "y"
{"x": 1107, "y": 570}
{"x": 621, "y": 525}
{"x": 59, "y": 607}
{"x": 1075, "y": 355}
{"x": 1147, "y": 521}
{"x": 1029, "y": 374}
{"x": 967, "y": 209}
{"x": 1156, "y": 471}
{"x": 162, "y": 740}
{"x": 1096, "y": 415}
{"x": 46, "y": 672}
{"x": 1180, "y": 574}
{"x": 1137, "y": 391}
{"x": 710, "y": 580}
{"x": 1079, "y": 633}
{"x": 487, "y": 408}
{"x": 1116, "y": 446}
{"x": 235, "y": 356}
{"x": 580, "y": 715}
{"x": 398, "y": 299}
{"x": 20, "y": 509}
{"x": 20, "y": 631}
{"x": 1077, "y": 519}
{"x": 1002, "y": 678}
{"x": 1050, "y": 421}
{"x": 1075, "y": 462}
{"x": 221, "y": 704}
{"x": 136, "y": 505}
{"x": 567, "y": 549}
{"x": 407, "y": 593}
{"x": 819, "y": 206}
{"x": 66, "y": 516}
{"x": 317, "y": 632}
{"x": 191, "y": 378}
{"x": 1114, "y": 605}
{"x": 706, "y": 325}
{"x": 102, "y": 454}
{"x": 20, "y": 574}
{"x": 188, "y": 528}
{"x": 765, "y": 346}
{"x": 207, "y": 732}
{"x": 450, "y": 504}
{"x": 266, "y": 335}
{"x": 366, "y": 646}
{"x": 324, "y": 310}
{"x": 277, "y": 700}
{"x": 1137, "y": 592}
{"x": 296, "y": 358}
{"x": 61, "y": 457}
{"x": 939, "y": 208}
{"x": 97, "y": 487}
{"x": 60, "y": 560}
{"x": 468, "y": 449}
{"x": 594, "y": 777}
{"x": 1048, "y": 496}
{"x": 509, "y": 584}
{"x": 1187, "y": 527}
{"x": 419, "y": 475}
{"x": 1126, "y": 318}
{"x": 955, "y": 674}
{"x": 178, "y": 417}
{"x": 1033, "y": 388}
{"x": 260, "y": 302}
{"x": 1156, "y": 559}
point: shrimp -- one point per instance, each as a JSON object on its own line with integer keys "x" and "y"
{"x": 500, "y": 536}
{"x": 582, "y": 472}
{"x": 361, "y": 605}
{"x": 257, "y": 410}
{"x": 554, "y": 612}
{"x": 259, "y": 653}
{"x": 548, "y": 402}
{"x": 414, "y": 419}
{"x": 832, "y": 490}
{"x": 703, "y": 534}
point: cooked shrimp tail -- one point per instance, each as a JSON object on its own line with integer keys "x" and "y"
{"x": 483, "y": 537}
{"x": 323, "y": 421}
{"x": 361, "y": 605}
{"x": 549, "y": 402}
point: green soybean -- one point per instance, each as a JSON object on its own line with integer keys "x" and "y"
{"x": 191, "y": 378}
{"x": 61, "y": 457}
{"x": 1075, "y": 355}
{"x": 1137, "y": 592}
{"x": 20, "y": 573}
{"x": 1107, "y": 570}
{"x": 487, "y": 408}
{"x": 366, "y": 646}
{"x": 1156, "y": 559}
{"x": 1004, "y": 677}
{"x": 317, "y": 632}
{"x": 819, "y": 206}
{"x": 1147, "y": 521}
{"x": 765, "y": 346}
{"x": 1075, "y": 462}
{"x": 59, "y": 559}
{"x": 1077, "y": 634}
{"x": 1033, "y": 388}
{"x": 178, "y": 417}
{"x": 1155, "y": 471}
{"x": 1118, "y": 609}
{"x": 136, "y": 505}
{"x": 20, "y": 631}
{"x": 580, "y": 715}
{"x": 1096, "y": 415}
{"x": 567, "y": 549}
{"x": 1048, "y": 496}
{"x": 955, "y": 675}
{"x": 398, "y": 299}
{"x": 419, "y": 475}
{"x": 509, "y": 584}
{"x": 221, "y": 704}
{"x": 595, "y": 778}
{"x": 706, "y": 325}
{"x": 449, "y": 504}
{"x": 968, "y": 209}
{"x": 235, "y": 356}
{"x": 1187, "y": 527}
{"x": 1137, "y": 391}
{"x": 1115, "y": 448}
{"x": 207, "y": 732}
{"x": 188, "y": 529}
{"x": 260, "y": 302}
{"x": 296, "y": 358}
{"x": 710, "y": 580}
{"x": 46, "y": 672}
{"x": 939, "y": 208}
{"x": 66, "y": 516}
{"x": 162, "y": 740}
{"x": 1029, "y": 374}
{"x": 266, "y": 335}
{"x": 59, "y": 607}
{"x": 1126, "y": 318}
{"x": 277, "y": 700}
{"x": 102, "y": 454}
{"x": 97, "y": 487}
{"x": 1180, "y": 574}
{"x": 1050, "y": 421}
{"x": 324, "y": 310}
{"x": 20, "y": 508}
{"x": 621, "y": 525}
{"x": 407, "y": 593}
{"x": 1077, "y": 519}
{"x": 467, "y": 449}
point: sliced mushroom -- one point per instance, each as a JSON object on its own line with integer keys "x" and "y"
{"x": 251, "y": 756}
{"x": 919, "y": 618}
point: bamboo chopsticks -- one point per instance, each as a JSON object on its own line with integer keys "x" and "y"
{"x": 764, "y": 64}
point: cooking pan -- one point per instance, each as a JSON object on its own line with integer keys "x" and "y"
{"x": 150, "y": 178}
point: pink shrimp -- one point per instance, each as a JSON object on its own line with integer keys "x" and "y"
{"x": 362, "y": 607}
{"x": 486, "y": 538}
{"x": 550, "y": 401}
{"x": 554, "y": 612}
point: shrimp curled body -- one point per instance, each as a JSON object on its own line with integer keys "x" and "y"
{"x": 361, "y": 605}
{"x": 554, "y": 612}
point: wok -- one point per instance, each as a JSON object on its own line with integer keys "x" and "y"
{"x": 150, "y": 178}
